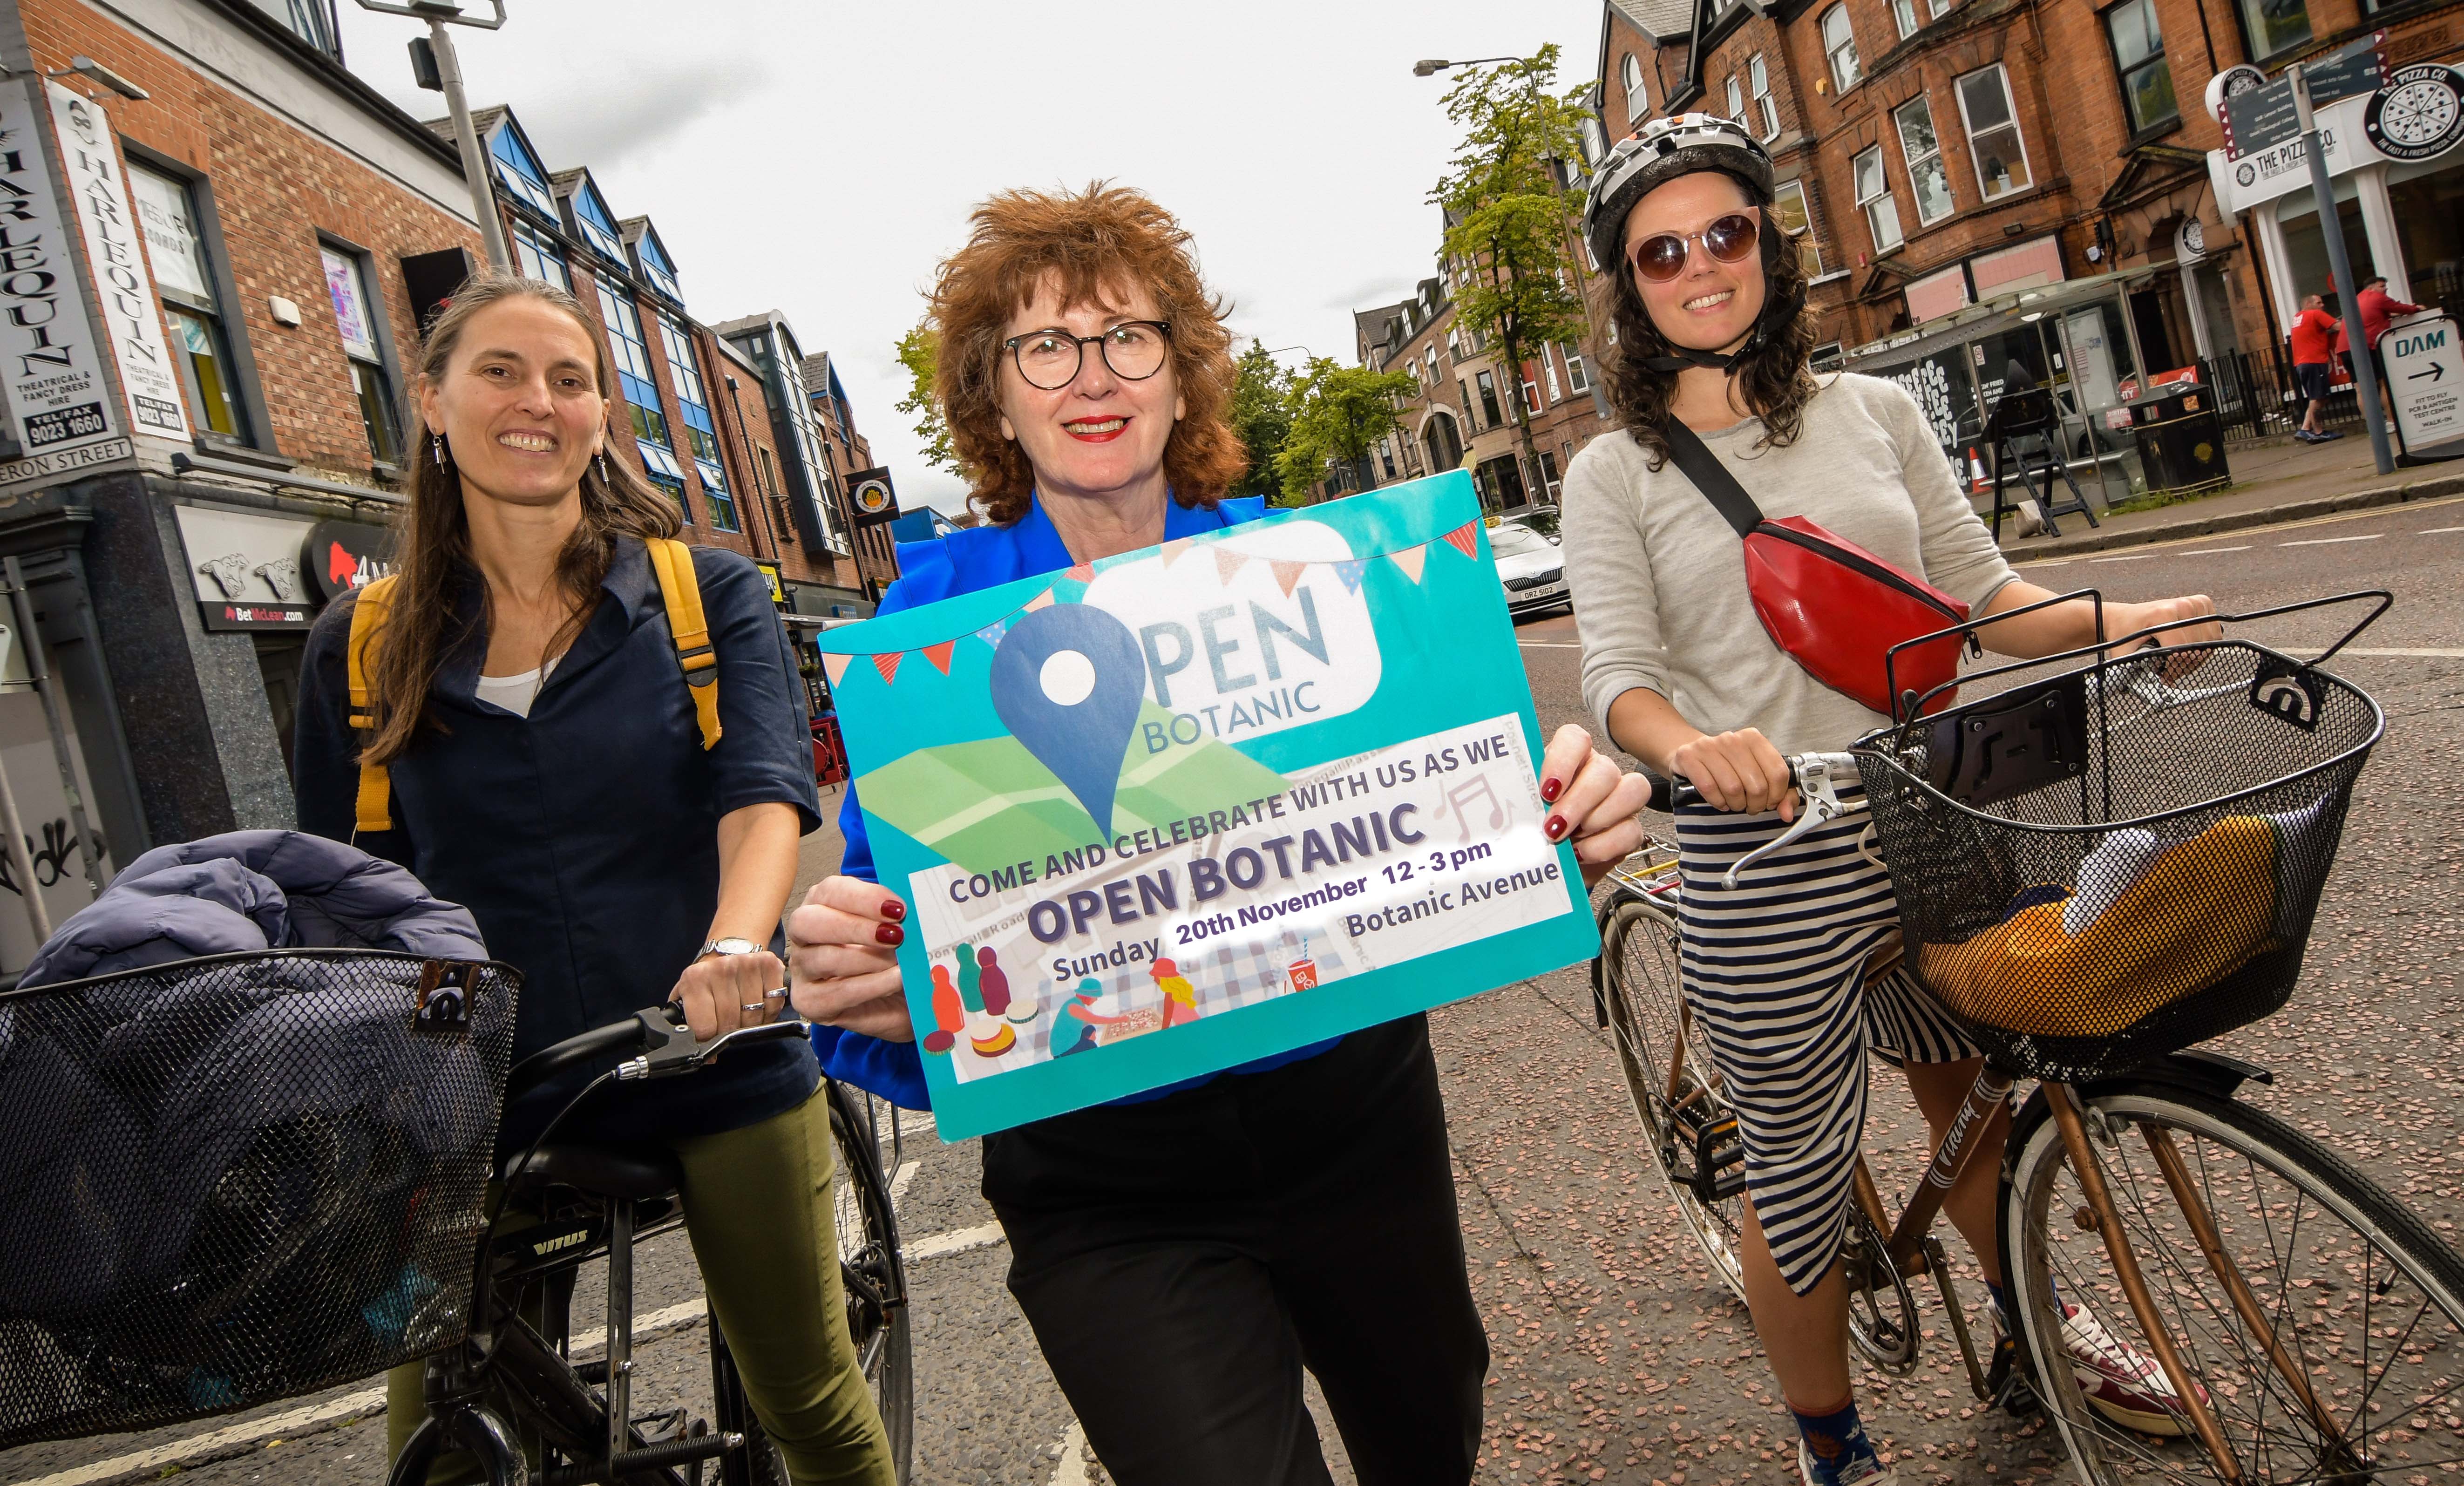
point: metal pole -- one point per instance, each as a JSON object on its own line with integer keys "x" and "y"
{"x": 23, "y": 603}
{"x": 474, "y": 163}
{"x": 2331, "y": 227}
{"x": 21, "y": 865}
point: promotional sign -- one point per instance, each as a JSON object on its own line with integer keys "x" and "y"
{"x": 54, "y": 371}
{"x": 2419, "y": 115}
{"x": 869, "y": 495}
{"x": 2425, "y": 373}
{"x": 2262, "y": 118}
{"x": 340, "y": 556}
{"x": 1190, "y": 806}
{"x": 146, "y": 373}
{"x": 246, "y": 567}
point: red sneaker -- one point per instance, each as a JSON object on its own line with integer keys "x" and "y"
{"x": 2122, "y": 1382}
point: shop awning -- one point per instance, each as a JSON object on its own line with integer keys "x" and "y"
{"x": 1998, "y": 313}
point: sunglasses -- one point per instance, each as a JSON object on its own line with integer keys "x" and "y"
{"x": 1729, "y": 239}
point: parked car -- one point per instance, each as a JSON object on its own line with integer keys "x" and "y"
{"x": 1531, "y": 566}
{"x": 1541, "y": 518}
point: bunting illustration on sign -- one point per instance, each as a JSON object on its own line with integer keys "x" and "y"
{"x": 1172, "y": 811}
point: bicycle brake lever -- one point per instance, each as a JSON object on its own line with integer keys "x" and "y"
{"x": 670, "y": 1048}
{"x": 1819, "y": 806}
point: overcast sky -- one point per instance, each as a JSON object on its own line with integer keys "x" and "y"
{"x": 819, "y": 159}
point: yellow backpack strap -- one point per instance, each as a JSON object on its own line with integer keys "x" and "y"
{"x": 680, "y": 586}
{"x": 376, "y": 786}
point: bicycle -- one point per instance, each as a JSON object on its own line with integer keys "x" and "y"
{"x": 2240, "y": 1248}
{"x": 510, "y": 1394}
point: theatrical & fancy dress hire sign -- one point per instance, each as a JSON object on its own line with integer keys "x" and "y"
{"x": 1195, "y": 805}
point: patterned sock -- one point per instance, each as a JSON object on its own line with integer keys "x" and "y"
{"x": 1837, "y": 1445}
{"x": 2001, "y": 1303}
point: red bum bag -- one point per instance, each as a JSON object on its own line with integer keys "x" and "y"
{"x": 1834, "y": 607}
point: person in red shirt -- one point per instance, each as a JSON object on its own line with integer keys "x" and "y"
{"x": 2314, "y": 338}
{"x": 2377, "y": 308}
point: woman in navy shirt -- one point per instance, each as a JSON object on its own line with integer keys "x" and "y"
{"x": 1183, "y": 1253}
{"x": 548, "y": 771}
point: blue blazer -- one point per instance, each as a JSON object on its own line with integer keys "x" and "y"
{"x": 963, "y": 562}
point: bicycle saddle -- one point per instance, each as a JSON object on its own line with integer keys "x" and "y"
{"x": 602, "y": 1171}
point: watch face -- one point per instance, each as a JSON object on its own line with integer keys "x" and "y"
{"x": 732, "y": 946}
{"x": 2419, "y": 113}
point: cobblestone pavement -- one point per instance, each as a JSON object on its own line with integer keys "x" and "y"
{"x": 1616, "y": 1358}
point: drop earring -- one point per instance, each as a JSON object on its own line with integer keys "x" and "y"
{"x": 436, "y": 448}
{"x": 601, "y": 460}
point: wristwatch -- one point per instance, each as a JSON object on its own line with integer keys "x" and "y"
{"x": 727, "y": 947}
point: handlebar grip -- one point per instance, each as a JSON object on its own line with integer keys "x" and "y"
{"x": 1667, "y": 793}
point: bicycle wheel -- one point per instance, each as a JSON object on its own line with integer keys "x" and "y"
{"x": 1677, "y": 1101}
{"x": 872, "y": 1270}
{"x": 2365, "y": 1380}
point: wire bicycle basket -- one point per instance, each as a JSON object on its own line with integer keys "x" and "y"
{"x": 2100, "y": 867}
{"x": 239, "y": 1178}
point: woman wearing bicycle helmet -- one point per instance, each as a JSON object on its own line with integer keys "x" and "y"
{"x": 546, "y": 765}
{"x": 1184, "y": 1253}
{"x": 1711, "y": 335}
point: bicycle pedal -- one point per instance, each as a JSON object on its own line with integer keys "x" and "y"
{"x": 1719, "y": 1162}
{"x": 2006, "y": 1380}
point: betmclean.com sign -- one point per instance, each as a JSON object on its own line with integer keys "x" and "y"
{"x": 2425, "y": 373}
{"x": 49, "y": 355}
{"x": 121, "y": 281}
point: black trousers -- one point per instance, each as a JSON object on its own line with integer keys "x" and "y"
{"x": 1182, "y": 1260}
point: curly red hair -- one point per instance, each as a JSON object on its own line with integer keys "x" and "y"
{"x": 1093, "y": 242}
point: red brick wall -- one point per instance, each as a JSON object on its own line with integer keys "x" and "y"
{"x": 273, "y": 189}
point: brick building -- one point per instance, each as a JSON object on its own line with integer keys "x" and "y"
{"x": 1961, "y": 164}
{"x": 213, "y": 302}
{"x": 847, "y": 451}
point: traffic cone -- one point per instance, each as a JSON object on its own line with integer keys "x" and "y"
{"x": 1978, "y": 481}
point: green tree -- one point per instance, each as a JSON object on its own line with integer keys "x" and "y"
{"x": 1340, "y": 414}
{"x": 919, "y": 352}
{"x": 1507, "y": 216}
{"x": 1262, "y": 414}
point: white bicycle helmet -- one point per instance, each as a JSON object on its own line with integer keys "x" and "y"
{"x": 1659, "y": 152}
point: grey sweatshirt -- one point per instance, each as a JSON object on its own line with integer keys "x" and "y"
{"x": 1659, "y": 578}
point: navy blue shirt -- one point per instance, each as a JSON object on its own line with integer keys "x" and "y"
{"x": 964, "y": 562}
{"x": 585, "y": 837}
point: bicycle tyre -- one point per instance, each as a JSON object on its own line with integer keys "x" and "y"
{"x": 1643, "y": 996}
{"x": 874, "y": 1272}
{"x": 2256, "y": 1175}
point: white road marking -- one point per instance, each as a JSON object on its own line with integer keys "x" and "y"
{"x": 899, "y": 1184}
{"x": 2210, "y": 552}
{"x": 2433, "y": 531}
{"x": 958, "y": 1240}
{"x": 2137, "y": 556}
{"x": 2322, "y": 541}
{"x": 2435, "y": 654}
{"x": 316, "y": 1418}
{"x": 1072, "y": 1470}
{"x": 2281, "y": 526}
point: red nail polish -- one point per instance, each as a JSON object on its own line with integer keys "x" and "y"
{"x": 893, "y": 910}
{"x": 889, "y": 933}
{"x": 1555, "y": 827}
{"x": 1551, "y": 789}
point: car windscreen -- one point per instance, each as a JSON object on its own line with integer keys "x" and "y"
{"x": 1509, "y": 540}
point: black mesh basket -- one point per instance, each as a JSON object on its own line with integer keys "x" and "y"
{"x": 2102, "y": 867}
{"x": 239, "y": 1178}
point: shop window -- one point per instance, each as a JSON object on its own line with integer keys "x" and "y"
{"x": 2428, "y": 200}
{"x": 1839, "y": 44}
{"x": 1905, "y": 13}
{"x": 184, "y": 272}
{"x": 538, "y": 255}
{"x": 1929, "y": 182}
{"x": 2138, "y": 61}
{"x": 1788, "y": 205}
{"x": 1766, "y": 108}
{"x": 2305, "y": 249}
{"x": 1874, "y": 198}
{"x": 1993, "y": 141}
{"x": 2273, "y": 25}
{"x": 1637, "y": 102}
{"x": 701, "y": 435}
{"x": 355, "y": 320}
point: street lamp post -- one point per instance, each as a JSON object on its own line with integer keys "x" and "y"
{"x": 1428, "y": 67}
{"x": 439, "y": 14}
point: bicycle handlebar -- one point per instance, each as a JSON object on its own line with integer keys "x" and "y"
{"x": 666, "y": 1047}
{"x": 1670, "y": 791}
{"x": 1815, "y": 777}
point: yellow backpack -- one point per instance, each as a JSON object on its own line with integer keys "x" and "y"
{"x": 678, "y": 586}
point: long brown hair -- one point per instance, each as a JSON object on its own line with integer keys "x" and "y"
{"x": 1775, "y": 377}
{"x": 1092, "y": 243}
{"x": 422, "y": 623}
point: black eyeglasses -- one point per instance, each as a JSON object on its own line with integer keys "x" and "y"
{"x": 1050, "y": 358}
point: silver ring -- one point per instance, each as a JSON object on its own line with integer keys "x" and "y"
{"x": 754, "y": 1006}
{"x": 779, "y": 995}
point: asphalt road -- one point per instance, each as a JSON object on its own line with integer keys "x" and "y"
{"x": 1615, "y": 1357}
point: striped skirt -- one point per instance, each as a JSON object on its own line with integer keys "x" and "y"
{"x": 1775, "y": 970}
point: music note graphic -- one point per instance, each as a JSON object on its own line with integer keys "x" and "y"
{"x": 1461, "y": 793}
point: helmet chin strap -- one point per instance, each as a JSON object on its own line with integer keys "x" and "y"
{"x": 1678, "y": 358}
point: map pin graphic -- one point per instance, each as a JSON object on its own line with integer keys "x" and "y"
{"x": 1067, "y": 681}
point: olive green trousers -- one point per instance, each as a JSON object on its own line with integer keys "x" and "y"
{"x": 758, "y": 1209}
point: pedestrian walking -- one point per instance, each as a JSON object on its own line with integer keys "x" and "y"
{"x": 1183, "y": 1253}
{"x": 2378, "y": 309}
{"x": 2313, "y": 336}
{"x": 509, "y": 721}
{"x": 1710, "y": 366}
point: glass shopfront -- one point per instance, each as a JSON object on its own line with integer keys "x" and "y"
{"x": 2428, "y": 197}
